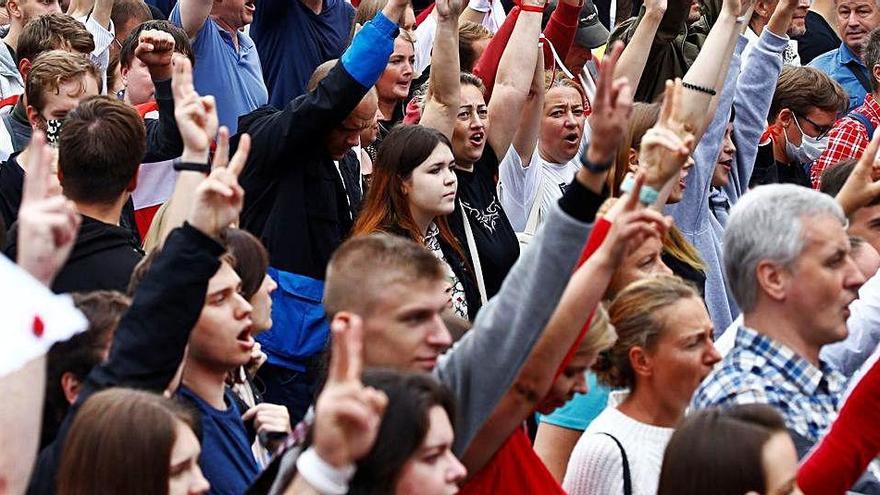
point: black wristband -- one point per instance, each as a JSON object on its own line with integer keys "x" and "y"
{"x": 701, "y": 89}
{"x": 180, "y": 165}
{"x": 596, "y": 168}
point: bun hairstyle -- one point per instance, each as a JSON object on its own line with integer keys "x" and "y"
{"x": 634, "y": 314}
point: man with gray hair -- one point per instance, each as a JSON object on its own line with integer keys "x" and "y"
{"x": 788, "y": 263}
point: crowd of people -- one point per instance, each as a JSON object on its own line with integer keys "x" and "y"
{"x": 422, "y": 248}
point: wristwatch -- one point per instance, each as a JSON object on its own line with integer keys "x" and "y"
{"x": 596, "y": 168}
{"x": 179, "y": 165}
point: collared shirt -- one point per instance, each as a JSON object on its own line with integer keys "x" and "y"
{"x": 760, "y": 370}
{"x": 233, "y": 77}
{"x": 834, "y": 63}
{"x": 847, "y": 139}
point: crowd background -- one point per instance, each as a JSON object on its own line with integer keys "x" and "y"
{"x": 411, "y": 247}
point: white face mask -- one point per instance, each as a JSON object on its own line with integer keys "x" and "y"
{"x": 809, "y": 150}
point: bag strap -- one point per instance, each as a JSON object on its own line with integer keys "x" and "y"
{"x": 856, "y": 70}
{"x": 864, "y": 120}
{"x": 627, "y": 480}
{"x": 475, "y": 255}
{"x": 532, "y": 222}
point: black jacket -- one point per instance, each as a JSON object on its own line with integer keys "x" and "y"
{"x": 149, "y": 342}
{"x": 102, "y": 258}
{"x": 163, "y": 143}
{"x": 295, "y": 200}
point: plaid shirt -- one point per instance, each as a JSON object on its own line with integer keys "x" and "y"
{"x": 759, "y": 370}
{"x": 848, "y": 139}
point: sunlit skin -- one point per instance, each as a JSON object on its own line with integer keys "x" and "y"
{"x": 562, "y": 124}
{"x": 471, "y": 127}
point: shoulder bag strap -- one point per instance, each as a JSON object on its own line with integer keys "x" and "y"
{"x": 627, "y": 480}
{"x": 856, "y": 70}
{"x": 475, "y": 255}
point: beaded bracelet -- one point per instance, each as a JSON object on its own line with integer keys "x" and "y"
{"x": 701, "y": 89}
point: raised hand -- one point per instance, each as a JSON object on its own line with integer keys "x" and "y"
{"x": 47, "y": 221}
{"x": 196, "y": 115}
{"x": 631, "y": 226}
{"x": 656, "y": 6}
{"x": 449, "y": 9}
{"x": 155, "y": 49}
{"x": 861, "y": 187}
{"x": 667, "y": 145}
{"x": 612, "y": 107}
{"x": 219, "y": 198}
{"x": 347, "y": 414}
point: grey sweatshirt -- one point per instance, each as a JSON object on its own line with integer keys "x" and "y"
{"x": 481, "y": 367}
{"x": 752, "y": 89}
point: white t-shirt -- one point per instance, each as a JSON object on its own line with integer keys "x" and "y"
{"x": 596, "y": 465}
{"x": 518, "y": 186}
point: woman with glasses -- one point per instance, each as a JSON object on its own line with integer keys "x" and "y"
{"x": 799, "y": 125}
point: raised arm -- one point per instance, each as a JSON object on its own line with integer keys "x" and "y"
{"x": 567, "y": 324}
{"x": 525, "y": 140}
{"x": 306, "y": 120}
{"x": 853, "y": 441}
{"x": 702, "y": 80}
{"x": 444, "y": 93}
{"x": 635, "y": 55}
{"x": 99, "y": 10}
{"x": 196, "y": 118}
{"x": 561, "y": 29}
{"x": 193, "y": 15}
{"x": 156, "y": 50}
{"x": 513, "y": 80}
{"x": 754, "y": 93}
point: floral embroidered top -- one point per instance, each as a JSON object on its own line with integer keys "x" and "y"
{"x": 456, "y": 289}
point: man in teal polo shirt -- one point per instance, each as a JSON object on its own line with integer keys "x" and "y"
{"x": 227, "y": 65}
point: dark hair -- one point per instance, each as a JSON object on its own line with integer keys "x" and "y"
{"x": 126, "y": 10}
{"x": 101, "y": 146}
{"x": 251, "y": 259}
{"x": 719, "y": 451}
{"x": 834, "y": 177}
{"x": 121, "y": 442}
{"x": 386, "y": 208}
{"x": 52, "y": 32}
{"x": 181, "y": 41}
{"x": 404, "y": 425}
{"x": 871, "y": 54}
{"x": 825, "y": 93}
{"x": 146, "y": 263}
{"x": 81, "y": 353}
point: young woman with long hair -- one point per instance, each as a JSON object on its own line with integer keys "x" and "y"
{"x": 413, "y": 190}
{"x": 133, "y": 442}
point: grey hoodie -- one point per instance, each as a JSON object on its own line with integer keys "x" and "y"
{"x": 751, "y": 90}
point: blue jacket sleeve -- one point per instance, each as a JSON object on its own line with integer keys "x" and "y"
{"x": 366, "y": 58}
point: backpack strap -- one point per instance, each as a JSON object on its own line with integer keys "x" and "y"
{"x": 864, "y": 120}
{"x": 627, "y": 479}
{"x": 532, "y": 221}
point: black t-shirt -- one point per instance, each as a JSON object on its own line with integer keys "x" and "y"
{"x": 495, "y": 239}
{"x": 11, "y": 187}
{"x": 818, "y": 39}
{"x": 769, "y": 171}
